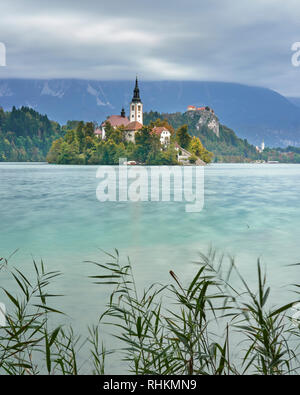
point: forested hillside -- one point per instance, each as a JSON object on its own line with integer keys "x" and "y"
{"x": 26, "y": 135}
{"x": 226, "y": 148}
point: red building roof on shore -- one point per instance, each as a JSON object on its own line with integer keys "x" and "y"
{"x": 159, "y": 129}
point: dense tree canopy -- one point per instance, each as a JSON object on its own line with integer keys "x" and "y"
{"x": 26, "y": 135}
{"x": 81, "y": 146}
{"x": 183, "y": 137}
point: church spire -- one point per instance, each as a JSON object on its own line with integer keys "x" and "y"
{"x": 136, "y": 93}
{"x": 136, "y": 105}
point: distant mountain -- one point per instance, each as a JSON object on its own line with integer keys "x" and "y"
{"x": 294, "y": 100}
{"x": 252, "y": 112}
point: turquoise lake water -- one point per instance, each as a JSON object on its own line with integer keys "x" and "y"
{"x": 51, "y": 212}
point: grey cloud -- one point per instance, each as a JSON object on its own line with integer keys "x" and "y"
{"x": 241, "y": 41}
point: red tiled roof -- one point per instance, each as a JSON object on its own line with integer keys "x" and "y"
{"x": 159, "y": 129}
{"x": 134, "y": 126}
{"x": 98, "y": 131}
{"x": 117, "y": 120}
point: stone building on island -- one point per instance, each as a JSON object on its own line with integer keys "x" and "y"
{"x": 115, "y": 121}
{"x": 131, "y": 129}
{"x": 134, "y": 123}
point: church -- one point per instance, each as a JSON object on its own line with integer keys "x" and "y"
{"x": 134, "y": 123}
{"x": 131, "y": 125}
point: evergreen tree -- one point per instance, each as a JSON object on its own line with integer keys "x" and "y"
{"x": 182, "y": 136}
{"x": 26, "y": 135}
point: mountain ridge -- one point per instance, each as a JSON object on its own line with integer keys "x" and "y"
{"x": 254, "y": 113}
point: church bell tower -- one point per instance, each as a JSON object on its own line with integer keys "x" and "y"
{"x": 136, "y": 105}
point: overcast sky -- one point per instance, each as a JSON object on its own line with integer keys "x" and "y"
{"x": 246, "y": 41}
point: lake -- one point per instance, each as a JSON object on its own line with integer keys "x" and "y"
{"x": 51, "y": 213}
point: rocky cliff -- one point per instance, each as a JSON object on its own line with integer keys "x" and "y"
{"x": 206, "y": 118}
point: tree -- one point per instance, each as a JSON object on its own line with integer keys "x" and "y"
{"x": 70, "y": 136}
{"x": 117, "y": 135}
{"x": 182, "y": 136}
{"x": 71, "y": 125}
{"x": 53, "y": 155}
{"x": 80, "y": 135}
{"x": 196, "y": 147}
{"x": 89, "y": 129}
{"x": 193, "y": 159}
{"x": 143, "y": 141}
{"x": 29, "y": 135}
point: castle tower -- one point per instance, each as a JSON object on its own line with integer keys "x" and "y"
{"x": 136, "y": 105}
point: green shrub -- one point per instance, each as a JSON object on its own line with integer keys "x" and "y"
{"x": 193, "y": 159}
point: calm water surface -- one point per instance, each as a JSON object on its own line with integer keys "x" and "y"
{"x": 51, "y": 212}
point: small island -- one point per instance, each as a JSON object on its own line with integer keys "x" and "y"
{"x": 121, "y": 137}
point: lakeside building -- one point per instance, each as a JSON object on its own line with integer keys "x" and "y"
{"x": 134, "y": 123}
{"x": 163, "y": 133}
